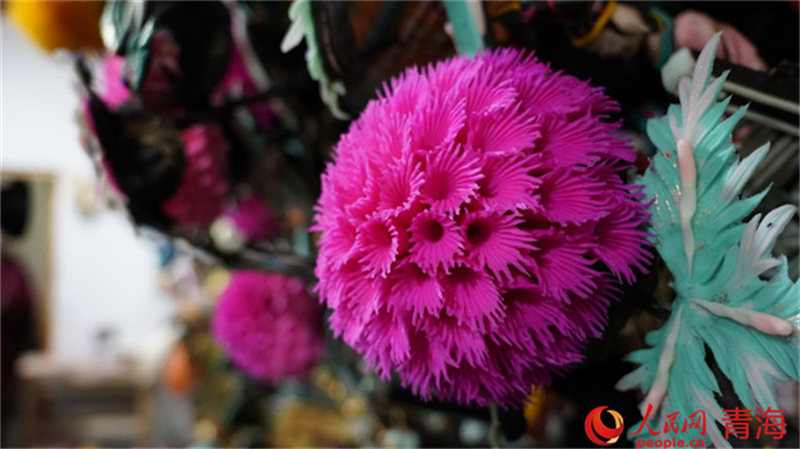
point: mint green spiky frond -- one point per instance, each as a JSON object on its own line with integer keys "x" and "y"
{"x": 303, "y": 28}
{"x": 732, "y": 297}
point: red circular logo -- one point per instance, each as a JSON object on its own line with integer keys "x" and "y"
{"x": 598, "y": 432}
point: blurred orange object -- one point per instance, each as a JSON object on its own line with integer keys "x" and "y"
{"x": 73, "y": 25}
{"x": 178, "y": 371}
{"x": 535, "y": 411}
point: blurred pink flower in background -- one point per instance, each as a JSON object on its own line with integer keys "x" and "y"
{"x": 252, "y": 218}
{"x": 203, "y": 187}
{"x": 269, "y": 325}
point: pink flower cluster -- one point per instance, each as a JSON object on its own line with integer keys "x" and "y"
{"x": 269, "y": 325}
{"x": 475, "y": 225}
{"x": 252, "y": 218}
{"x": 201, "y": 194}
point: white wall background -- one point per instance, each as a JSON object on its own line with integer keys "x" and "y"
{"x": 103, "y": 274}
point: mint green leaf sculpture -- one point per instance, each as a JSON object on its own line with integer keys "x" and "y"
{"x": 303, "y": 27}
{"x": 732, "y": 297}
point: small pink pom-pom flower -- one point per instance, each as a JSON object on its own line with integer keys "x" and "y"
{"x": 247, "y": 221}
{"x": 269, "y": 325}
{"x": 475, "y": 226}
{"x": 201, "y": 194}
{"x": 252, "y": 218}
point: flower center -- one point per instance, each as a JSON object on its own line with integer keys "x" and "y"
{"x": 439, "y": 187}
{"x": 432, "y": 231}
{"x": 485, "y": 188}
{"x": 478, "y": 232}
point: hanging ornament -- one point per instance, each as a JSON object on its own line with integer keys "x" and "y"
{"x": 732, "y": 297}
{"x": 475, "y": 226}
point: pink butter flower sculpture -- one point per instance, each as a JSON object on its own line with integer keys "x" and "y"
{"x": 269, "y": 325}
{"x": 475, "y": 227}
{"x": 252, "y": 219}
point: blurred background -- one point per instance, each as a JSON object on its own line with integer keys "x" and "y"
{"x": 81, "y": 292}
{"x": 107, "y": 307}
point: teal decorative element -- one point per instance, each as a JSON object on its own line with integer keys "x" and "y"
{"x": 732, "y": 297}
{"x": 303, "y": 27}
{"x": 666, "y": 44}
{"x": 465, "y": 27}
{"x": 123, "y": 27}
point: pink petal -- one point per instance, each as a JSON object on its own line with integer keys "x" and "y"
{"x": 449, "y": 76}
{"x": 475, "y": 385}
{"x": 338, "y": 241}
{"x": 407, "y": 91}
{"x": 436, "y": 123}
{"x": 593, "y": 100}
{"x": 547, "y": 94}
{"x": 427, "y": 367}
{"x": 621, "y": 243}
{"x": 114, "y": 92}
{"x": 347, "y": 323}
{"x": 415, "y": 291}
{"x": 345, "y": 183}
{"x": 400, "y": 186}
{"x": 562, "y": 267}
{"x": 377, "y": 239}
{"x": 510, "y": 62}
{"x": 532, "y": 321}
{"x": 571, "y": 197}
{"x": 583, "y": 142}
{"x": 493, "y": 241}
{"x": 589, "y": 315}
{"x": 357, "y": 299}
{"x": 366, "y": 204}
{"x": 389, "y": 342}
{"x": 503, "y": 131}
{"x": 393, "y": 139}
{"x": 465, "y": 345}
{"x": 451, "y": 178}
{"x": 507, "y": 182}
{"x": 488, "y": 92}
{"x": 472, "y": 298}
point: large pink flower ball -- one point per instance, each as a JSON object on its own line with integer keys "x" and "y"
{"x": 475, "y": 225}
{"x": 269, "y": 325}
